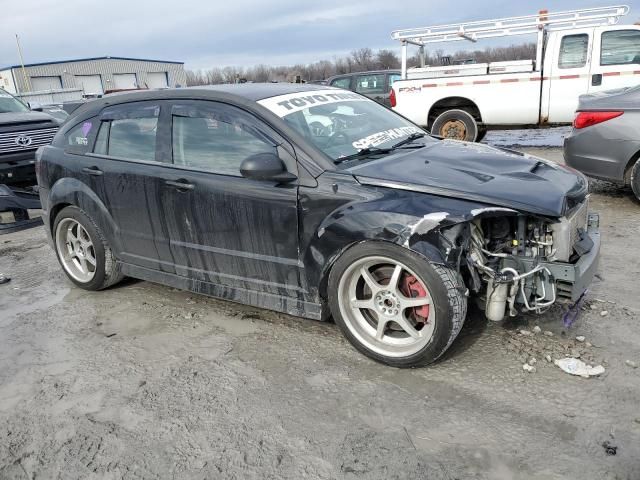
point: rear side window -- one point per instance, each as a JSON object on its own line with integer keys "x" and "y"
{"x": 344, "y": 82}
{"x": 78, "y": 139}
{"x": 369, "y": 84}
{"x": 620, "y": 47}
{"x": 215, "y": 140}
{"x": 573, "y": 51}
{"x": 128, "y": 133}
{"x": 393, "y": 77}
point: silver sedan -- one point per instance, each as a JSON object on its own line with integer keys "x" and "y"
{"x": 605, "y": 140}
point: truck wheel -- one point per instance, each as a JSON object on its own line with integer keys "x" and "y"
{"x": 457, "y": 125}
{"x": 394, "y": 306}
{"x": 481, "y": 134}
{"x": 83, "y": 252}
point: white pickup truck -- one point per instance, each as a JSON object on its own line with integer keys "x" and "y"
{"x": 579, "y": 51}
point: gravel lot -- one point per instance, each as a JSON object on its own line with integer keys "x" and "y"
{"x": 143, "y": 381}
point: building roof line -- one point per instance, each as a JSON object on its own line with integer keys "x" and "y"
{"x": 90, "y": 59}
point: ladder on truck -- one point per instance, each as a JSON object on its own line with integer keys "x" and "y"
{"x": 539, "y": 23}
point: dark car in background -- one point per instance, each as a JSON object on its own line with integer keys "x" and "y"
{"x": 605, "y": 140}
{"x": 22, "y": 131}
{"x": 373, "y": 84}
{"x": 314, "y": 201}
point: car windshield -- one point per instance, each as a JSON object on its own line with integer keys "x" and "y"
{"x": 342, "y": 124}
{"x": 9, "y": 104}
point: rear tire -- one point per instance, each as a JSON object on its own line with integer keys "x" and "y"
{"x": 634, "y": 180}
{"x": 481, "y": 134}
{"x": 456, "y": 125}
{"x": 405, "y": 313}
{"x": 83, "y": 252}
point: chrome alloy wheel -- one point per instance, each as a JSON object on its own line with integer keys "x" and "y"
{"x": 386, "y": 306}
{"x": 75, "y": 250}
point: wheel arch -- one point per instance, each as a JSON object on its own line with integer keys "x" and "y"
{"x": 72, "y": 192}
{"x": 453, "y": 103}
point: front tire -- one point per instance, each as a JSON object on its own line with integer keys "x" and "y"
{"x": 457, "y": 125}
{"x": 83, "y": 252}
{"x": 394, "y": 306}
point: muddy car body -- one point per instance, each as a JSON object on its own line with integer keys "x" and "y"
{"x": 366, "y": 219}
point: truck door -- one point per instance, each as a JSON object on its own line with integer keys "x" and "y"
{"x": 568, "y": 75}
{"x": 615, "y": 60}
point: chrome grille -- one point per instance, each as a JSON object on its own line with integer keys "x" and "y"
{"x": 26, "y": 139}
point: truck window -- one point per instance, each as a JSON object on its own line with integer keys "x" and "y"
{"x": 370, "y": 84}
{"x": 620, "y": 47}
{"x": 573, "y": 51}
{"x": 80, "y": 135}
{"x": 344, "y": 82}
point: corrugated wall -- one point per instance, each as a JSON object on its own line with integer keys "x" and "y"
{"x": 105, "y": 68}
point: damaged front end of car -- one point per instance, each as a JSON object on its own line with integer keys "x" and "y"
{"x": 513, "y": 261}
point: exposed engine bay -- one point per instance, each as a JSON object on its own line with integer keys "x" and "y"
{"x": 515, "y": 261}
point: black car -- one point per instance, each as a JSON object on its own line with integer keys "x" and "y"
{"x": 22, "y": 131}
{"x": 374, "y": 84}
{"x": 315, "y": 202}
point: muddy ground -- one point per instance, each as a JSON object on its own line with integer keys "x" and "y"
{"x": 143, "y": 381}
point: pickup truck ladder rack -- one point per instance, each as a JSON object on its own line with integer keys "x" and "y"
{"x": 502, "y": 27}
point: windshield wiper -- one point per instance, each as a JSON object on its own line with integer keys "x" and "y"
{"x": 409, "y": 139}
{"x": 365, "y": 152}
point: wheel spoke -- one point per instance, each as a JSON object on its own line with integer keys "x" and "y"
{"x": 395, "y": 278}
{"x": 407, "y": 302}
{"x": 406, "y": 326}
{"x": 382, "y": 324}
{"x": 90, "y": 260}
{"x": 70, "y": 235}
{"x": 368, "y": 303}
{"x": 83, "y": 265}
{"x": 368, "y": 278}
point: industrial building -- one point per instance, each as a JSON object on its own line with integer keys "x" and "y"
{"x": 92, "y": 76}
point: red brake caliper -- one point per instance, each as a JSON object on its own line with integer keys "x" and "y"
{"x": 411, "y": 287}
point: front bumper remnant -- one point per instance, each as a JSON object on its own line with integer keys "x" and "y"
{"x": 572, "y": 279}
{"x": 18, "y": 202}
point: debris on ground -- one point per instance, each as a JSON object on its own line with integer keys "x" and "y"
{"x": 548, "y": 333}
{"x": 609, "y": 449}
{"x": 547, "y": 358}
{"x": 532, "y": 361}
{"x": 537, "y": 329}
{"x": 4, "y": 279}
{"x": 604, "y": 313}
{"x": 529, "y": 368}
{"x": 631, "y": 363}
{"x": 525, "y": 333}
{"x": 580, "y": 338}
{"x": 575, "y": 366}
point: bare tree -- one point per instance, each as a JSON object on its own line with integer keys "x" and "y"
{"x": 359, "y": 60}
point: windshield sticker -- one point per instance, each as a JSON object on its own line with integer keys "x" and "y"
{"x": 384, "y": 136}
{"x": 283, "y": 105}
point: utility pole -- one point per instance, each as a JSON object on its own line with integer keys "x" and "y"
{"x": 24, "y": 72}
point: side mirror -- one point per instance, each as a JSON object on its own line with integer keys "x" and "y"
{"x": 266, "y": 166}
{"x": 36, "y": 107}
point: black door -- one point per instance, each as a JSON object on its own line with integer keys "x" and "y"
{"x": 224, "y": 228}
{"x": 128, "y": 164}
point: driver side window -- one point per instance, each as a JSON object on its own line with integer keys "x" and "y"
{"x": 215, "y": 140}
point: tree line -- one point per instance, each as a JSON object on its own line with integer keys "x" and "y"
{"x": 359, "y": 60}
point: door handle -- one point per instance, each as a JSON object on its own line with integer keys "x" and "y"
{"x": 180, "y": 184}
{"x": 93, "y": 171}
{"x": 596, "y": 79}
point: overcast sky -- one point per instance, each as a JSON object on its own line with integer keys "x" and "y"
{"x": 207, "y": 33}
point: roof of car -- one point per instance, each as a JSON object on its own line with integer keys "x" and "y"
{"x": 251, "y": 92}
